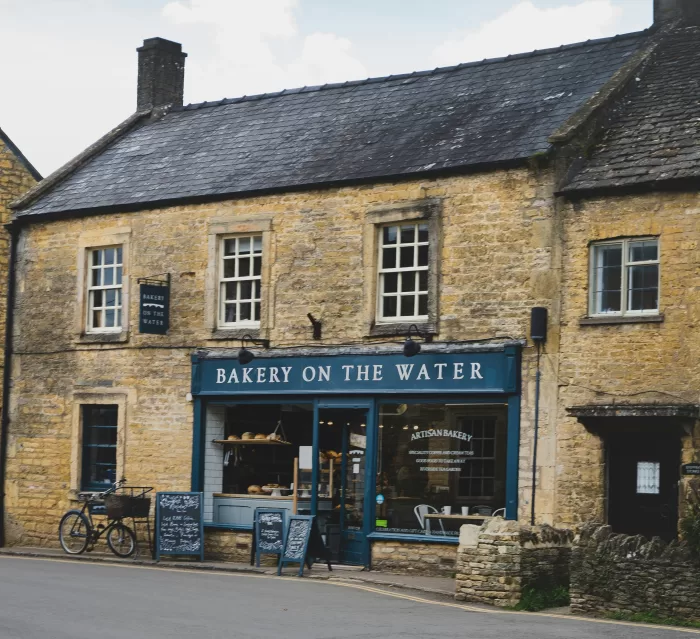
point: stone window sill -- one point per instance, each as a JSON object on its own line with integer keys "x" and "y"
{"x": 234, "y": 333}
{"x": 103, "y": 338}
{"x": 625, "y": 319}
{"x": 401, "y": 329}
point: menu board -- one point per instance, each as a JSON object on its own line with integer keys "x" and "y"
{"x": 303, "y": 543}
{"x": 179, "y": 524}
{"x": 269, "y": 532}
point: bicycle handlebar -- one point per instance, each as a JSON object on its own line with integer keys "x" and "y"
{"x": 115, "y": 486}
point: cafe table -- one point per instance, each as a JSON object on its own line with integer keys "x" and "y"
{"x": 464, "y": 518}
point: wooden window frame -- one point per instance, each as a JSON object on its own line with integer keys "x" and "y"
{"x": 92, "y": 289}
{"x": 237, "y": 258}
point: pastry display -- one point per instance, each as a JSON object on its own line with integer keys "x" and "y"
{"x": 248, "y": 436}
{"x": 254, "y": 490}
{"x": 260, "y": 436}
{"x": 233, "y": 438}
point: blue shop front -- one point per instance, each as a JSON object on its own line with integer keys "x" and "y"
{"x": 377, "y": 446}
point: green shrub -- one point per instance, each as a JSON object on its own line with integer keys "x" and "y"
{"x": 652, "y": 618}
{"x": 535, "y": 599}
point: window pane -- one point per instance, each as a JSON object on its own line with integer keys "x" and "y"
{"x": 257, "y": 244}
{"x": 389, "y": 258}
{"x": 391, "y": 281}
{"x": 389, "y": 307}
{"x": 422, "y": 305}
{"x": 389, "y": 234}
{"x": 96, "y": 299}
{"x": 110, "y": 297}
{"x": 229, "y": 268}
{"x": 256, "y": 289}
{"x": 230, "y": 313}
{"x": 643, "y": 288}
{"x": 407, "y": 256}
{"x": 244, "y": 245}
{"x": 608, "y": 278}
{"x": 110, "y": 319}
{"x": 246, "y": 290}
{"x": 423, "y": 280}
{"x": 408, "y": 282}
{"x": 96, "y": 257}
{"x": 257, "y": 311}
{"x": 408, "y": 234}
{"x": 96, "y": 273}
{"x": 99, "y": 445}
{"x": 609, "y": 301}
{"x": 230, "y": 247}
{"x": 119, "y": 275}
{"x": 108, "y": 277}
{"x": 643, "y": 251}
{"x": 257, "y": 265}
{"x": 231, "y": 290}
{"x": 648, "y": 478}
{"x": 408, "y": 305}
{"x": 97, "y": 319}
{"x": 423, "y": 255}
{"x": 109, "y": 256}
{"x": 423, "y": 233}
{"x": 246, "y": 310}
{"x": 244, "y": 267}
{"x": 119, "y": 318}
{"x": 119, "y": 255}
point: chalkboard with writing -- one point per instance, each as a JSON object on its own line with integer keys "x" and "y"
{"x": 297, "y": 542}
{"x": 179, "y": 524}
{"x": 269, "y": 532}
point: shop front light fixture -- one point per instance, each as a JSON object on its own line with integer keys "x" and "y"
{"x": 410, "y": 347}
{"x": 245, "y": 356}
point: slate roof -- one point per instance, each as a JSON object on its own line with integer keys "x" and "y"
{"x": 471, "y": 115}
{"x": 655, "y": 134}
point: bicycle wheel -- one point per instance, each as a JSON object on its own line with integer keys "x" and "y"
{"x": 121, "y": 540}
{"x": 74, "y": 532}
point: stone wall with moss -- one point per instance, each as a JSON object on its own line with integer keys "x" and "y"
{"x": 619, "y": 574}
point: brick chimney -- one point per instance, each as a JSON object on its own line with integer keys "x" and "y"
{"x": 161, "y": 74}
{"x": 666, "y": 11}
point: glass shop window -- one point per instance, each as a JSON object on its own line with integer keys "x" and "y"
{"x": 99, "y": 446}
{"x": 439, "y": 459}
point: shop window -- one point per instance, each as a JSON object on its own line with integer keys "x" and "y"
{"x": 403, "y": 285}
{"x": 625, "y": 277}
{"x": 99, "y": 467}
{"x": 240, "y": 281}
{"x": 648, "y": 478}
{"x": 104, "y": 287}
{"x": 434, "y": 457}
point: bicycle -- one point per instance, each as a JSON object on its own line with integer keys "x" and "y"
{"x": 77, "y": 532}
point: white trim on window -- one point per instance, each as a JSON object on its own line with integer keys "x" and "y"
{"x": 105, "y": 269}
{"x": 403, "y": 278}
{"x": 622, "y": 296}
{"x": 240, "y": 281}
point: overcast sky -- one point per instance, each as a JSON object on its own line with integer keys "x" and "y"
{"x": 69, "y": 66}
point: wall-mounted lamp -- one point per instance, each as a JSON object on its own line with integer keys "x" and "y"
{"x": 317, "y": 324}
{"x": 244, "y": 355}
{"x": 411, "y": 348}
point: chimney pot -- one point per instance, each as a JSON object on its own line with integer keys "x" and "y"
{"x": 666, "y": 11}
{"x": 161, "y": 79}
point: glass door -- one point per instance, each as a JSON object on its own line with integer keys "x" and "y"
{"x": 342, "y": 482}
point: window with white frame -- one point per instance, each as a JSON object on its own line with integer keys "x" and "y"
{"x": 625, "y": 277}
{"x": 648, "y": 478}
{"x": 403, "y": 272}
{"x": 240, "y": 281}
{"x": 105, "y": 289}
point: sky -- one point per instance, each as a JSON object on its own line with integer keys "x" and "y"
{"x": 69, "y": 66}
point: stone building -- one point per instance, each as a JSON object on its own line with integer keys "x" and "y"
{"x": 299, "y": 238}
{"x": 17, "y": 175}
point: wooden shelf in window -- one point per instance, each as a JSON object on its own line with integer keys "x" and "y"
{"x": 249, "y": 442}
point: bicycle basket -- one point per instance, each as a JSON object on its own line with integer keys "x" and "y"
{"x": 119, "y": 506}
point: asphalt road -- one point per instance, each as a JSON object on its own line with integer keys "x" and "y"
{"x": 45, "y": 599}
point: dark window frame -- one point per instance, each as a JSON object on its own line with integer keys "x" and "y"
{"x": 88, "y": 444}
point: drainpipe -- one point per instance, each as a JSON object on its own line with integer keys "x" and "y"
{"x": 14, "y": 232}
{"x": 537, "y": 433}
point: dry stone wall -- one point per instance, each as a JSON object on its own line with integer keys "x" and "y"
{"x": 431, "y": 559}
{"x": 498, "y": 560}
{"x": 622, "y": 574}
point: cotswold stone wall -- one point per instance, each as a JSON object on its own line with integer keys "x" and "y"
{"x": 499, "y": 559}
{"x": 498, "y": 257}
{"x": 623, "y": 363}
{"x": 617, "y": 573}
{"x": 227, "y": 545}
{"x": 437, "y": 560}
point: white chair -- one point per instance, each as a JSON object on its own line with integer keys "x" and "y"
{"x": 421, "y": 511}
{"x": 501, "y": 512}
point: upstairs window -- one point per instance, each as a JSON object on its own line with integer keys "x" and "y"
{"x": 240, "y": 281}
{"x": 403, "y": 273}
{"x": 105, "y": 290}
{"x": 625, "y": 277}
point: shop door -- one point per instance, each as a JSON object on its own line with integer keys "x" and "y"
{"x": 643, "y": 477}
{"x": 342, "y": 466}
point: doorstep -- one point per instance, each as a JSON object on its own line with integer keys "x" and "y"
{"x": 440, "y": 586}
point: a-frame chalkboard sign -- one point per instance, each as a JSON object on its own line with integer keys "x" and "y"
{"x": 303, "y": 544}
{"x": 179, "y": 524}
{"x": 269, "y": 535}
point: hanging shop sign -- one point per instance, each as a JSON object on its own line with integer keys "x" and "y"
{"x": 154, "y": 306}
{"x": 487, "y": 372}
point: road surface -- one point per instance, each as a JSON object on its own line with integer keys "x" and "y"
{"x": 49, "y": 599}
